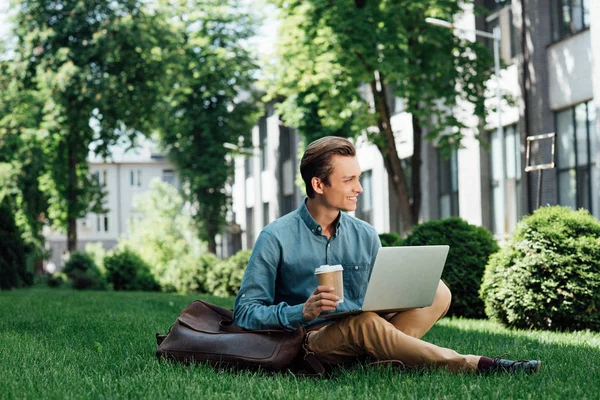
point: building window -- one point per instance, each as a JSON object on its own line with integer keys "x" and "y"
{"x": 285, "y": 143}
{"x": 139, "y": 177}
{"x": 264, "y": 144}
{"x": 287, "y": 204}
{"x": 102, "y": 222}
{"x": 495, "y": 5}
{"x": 510, "y": 39}
{"x": 506, "y": 196}
{"x": 249, "y": 166}
{"x": 569, "y": 17}
{"x": 168, "y": 176}
{"x": 574, "y": 161}
{"x": 132, "y": 178}
{"x": 364, "y": 210}
{"x": 266, "y": 218}
{"x": 250, "y": 226}
{"x": 448, "y": 184}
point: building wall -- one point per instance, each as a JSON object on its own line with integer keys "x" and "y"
{"x": 118, "y": 202}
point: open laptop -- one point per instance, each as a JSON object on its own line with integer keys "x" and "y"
{"x": 402, "y": 278}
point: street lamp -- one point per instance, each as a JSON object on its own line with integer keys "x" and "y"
{"x": 496, "y": 36}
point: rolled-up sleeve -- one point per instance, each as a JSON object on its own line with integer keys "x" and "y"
{"x": 254, "y": 308}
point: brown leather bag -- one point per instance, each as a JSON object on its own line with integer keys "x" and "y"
{"x": 204, "y": 333}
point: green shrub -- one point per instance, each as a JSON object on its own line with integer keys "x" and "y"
{"x": 390, "y": 239}
{"x": 13, "y": 260}
{"x": 126, "y": 270}
{"x": 167, "y": 239}
{"x": 97, "y": 252}
{"x": 190, "y": 275}
{"x": 470, "y": 249}
{"x": 56, "y": 280}
{"x": 225, "y": 278}
{"x": 548, "y": 275}
{"x": 81, "y": 269}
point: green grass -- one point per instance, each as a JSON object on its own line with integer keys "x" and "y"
{"x": 68, "y": 344}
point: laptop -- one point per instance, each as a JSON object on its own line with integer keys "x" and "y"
{"x": 403, "y": 278}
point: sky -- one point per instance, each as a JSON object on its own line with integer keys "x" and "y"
{"x": 264, "y": 40}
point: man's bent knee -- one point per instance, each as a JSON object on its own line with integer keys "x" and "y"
{"x": 443, "y": 298}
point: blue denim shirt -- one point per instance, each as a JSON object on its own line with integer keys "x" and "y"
{"x": 280, "y": 274}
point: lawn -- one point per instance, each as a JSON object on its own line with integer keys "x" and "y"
{"x": 68, "y": 344}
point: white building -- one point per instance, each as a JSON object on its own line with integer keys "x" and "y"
{"x": 127, "y": 175}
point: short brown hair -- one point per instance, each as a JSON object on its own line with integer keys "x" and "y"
{"x": 316, "y": 161}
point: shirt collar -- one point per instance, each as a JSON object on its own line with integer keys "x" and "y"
{"x": 314, "y": 225}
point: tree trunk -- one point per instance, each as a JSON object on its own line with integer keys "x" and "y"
{"x": 416, "y": 162}
{"x": 212, "y": 244}
{"x": 390, "y": 153}
{"x": 72, "y": 199}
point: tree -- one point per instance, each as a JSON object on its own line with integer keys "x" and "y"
{"x": 210, "y": 103}
{"x": 22, "y": 159}
{"x": 340, "y": 63}
{"x": 97, "y": 67}
{"x": 13, "y": 269}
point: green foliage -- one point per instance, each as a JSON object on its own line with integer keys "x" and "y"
{"x": 22, "y": 157}
{"x": 390, "y": 239}
{"x": 548, "y": 275}
{"x": 13, "y": 268}
{"x": 83, "y": 272}
{"x": 470, "y": 249}
{"x": 191, "y": 276}
{"x": 126, "y": 270}
{"x": 339, "y": 66}
{"x": 97, "y": 252}
{"x": 226, "y": 276}
{"x": 210, "y": 103}
{"x": 95, "y": 70}
{"x": 56, "y": 280}
{"x": 165, "y": 237}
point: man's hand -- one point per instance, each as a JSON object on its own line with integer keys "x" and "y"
{"x": 320, "y": 300}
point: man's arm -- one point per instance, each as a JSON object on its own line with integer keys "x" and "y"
{"x": 254, "y": 308}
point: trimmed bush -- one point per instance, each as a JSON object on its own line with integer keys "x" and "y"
{"x": 225, "y": 278}
{"x": 548, "y": 275}
{"x": 390, "y": 239}
{"x": 56, "y": 280}
{"x": 470, "y": 249}
{"x": 83, "y": 272}
{"x": 13, "y": 260}
{"x": 126, "y": 270}
{"x": 190, "y": 275}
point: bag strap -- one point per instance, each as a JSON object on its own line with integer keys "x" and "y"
{"x": 311, "y": 359}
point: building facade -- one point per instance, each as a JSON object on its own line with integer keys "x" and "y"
{"x": 126, "y": 176}
{"x": 550, "y": 51}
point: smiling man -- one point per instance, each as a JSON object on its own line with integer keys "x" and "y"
{"x": 279, "y": 289}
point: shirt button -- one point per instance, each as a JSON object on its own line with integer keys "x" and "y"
{"x": 356, "y": 267}
{"x": 329, "y": 245}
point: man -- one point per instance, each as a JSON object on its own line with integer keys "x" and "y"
{"x": 278, "y": 289}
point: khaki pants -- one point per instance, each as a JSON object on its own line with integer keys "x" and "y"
{"x": 390, "y": 337}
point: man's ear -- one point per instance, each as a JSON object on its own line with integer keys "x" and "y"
{"x": 317, "y": 185}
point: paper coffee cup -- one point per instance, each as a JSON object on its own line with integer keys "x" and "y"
{"x": 331, "y": 275}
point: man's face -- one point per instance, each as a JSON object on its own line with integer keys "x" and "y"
{"x": 344, "y": 185}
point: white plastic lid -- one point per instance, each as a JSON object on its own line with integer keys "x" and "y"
{"x": 328, "y": 268}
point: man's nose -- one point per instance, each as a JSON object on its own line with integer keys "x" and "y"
{"x": 359, "y": 189}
